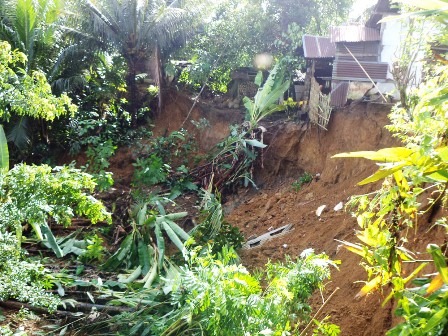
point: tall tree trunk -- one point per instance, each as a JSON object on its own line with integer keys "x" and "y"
{"x": 156, "y": 72}
{"x": 133, "y": 92}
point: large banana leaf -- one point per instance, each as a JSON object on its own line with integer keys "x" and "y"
{"x": 265, "y": 101}
{"x": 4, "y": 154}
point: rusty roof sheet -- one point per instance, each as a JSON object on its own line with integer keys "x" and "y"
{"x": 350, "y": 70}
{"x": 318, "y": 47}
{"x": 354, "y": 34}
{"x": 339, "y": 94}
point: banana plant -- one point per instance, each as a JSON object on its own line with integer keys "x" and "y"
{"x": 265, "y": 101}
{"x": 143, "y": 250}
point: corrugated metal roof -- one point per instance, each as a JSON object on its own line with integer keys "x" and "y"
{"x": 350, "y": 70}
{"x": 354, "y": 34}
{"x": 338, "y": 95}
{"x": 318, "y": 47}
{"x": 382, "y": 8}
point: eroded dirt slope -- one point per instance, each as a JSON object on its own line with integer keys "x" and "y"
{"x": 293, "y": 149}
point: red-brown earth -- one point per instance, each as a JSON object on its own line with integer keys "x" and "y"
{"x": 295, "y": 148}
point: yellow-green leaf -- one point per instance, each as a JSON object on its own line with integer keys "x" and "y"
{"x": 370, "y": 286}
{"x": 358, "y": 249}
{"x": 427, "y": 4}
{"x": 434, "y": 321}
{"x": 435, "y": 284}
{"x": 443, "y": 153}
{"x": 381, "y": 173}
{"x": 440, "y": 176}
{"x": 393, "y": 154}
{"x": 439, "y": 261}
{"x": 4, "y": 154}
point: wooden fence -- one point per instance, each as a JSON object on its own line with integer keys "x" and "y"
{"x": 319, "y": 106}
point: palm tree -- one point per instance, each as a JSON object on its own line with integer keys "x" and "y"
{"x": 31, "y": 26}
{"x": 141, "y": 30}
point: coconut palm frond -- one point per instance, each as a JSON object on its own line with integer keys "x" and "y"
{"x": 104, "y": 17}
{"x": 19, "y": 134}
{"x": 68, "y": 53}
{"x": 69, "y": 84}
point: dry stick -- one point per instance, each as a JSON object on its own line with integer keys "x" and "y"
{"x": 19, "y": 305}
{"x": 362, "y": 68}
{"x": 79, "y": 306}
{"x": 303, "y": 333}
{"x": 200, "y": 92}
{"x": 194, "y": 103}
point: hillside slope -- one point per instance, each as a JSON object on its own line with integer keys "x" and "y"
{"x": 293, "y": 149}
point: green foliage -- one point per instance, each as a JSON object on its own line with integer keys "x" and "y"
{"x": 32, "y": 27}
{"x": 265, "y": 101}
{"x": 150, "y": 171}
{"x": 239, "y": 30}
{"x": 4, "y": 153}
{"x": 304, "y": 179}
{"x": 138, "y": 30}
{"x": 325, "y": 328}
{"x": 228, "y": 235}
{"x": 216, "y": 296}
{"x": 94, "y": 248}
{"x": 212, "y": 228}
{"x": 386, "y": 217}
{"x": 145, "y": 246}
{"x": 34, "y": 194}
{"x": 98, "y": 155}
{"x": 27, "y": 95}
{"x": 22, "y": 279}
{"x": 102, "y": 115}
{"x": 158, "y": 159}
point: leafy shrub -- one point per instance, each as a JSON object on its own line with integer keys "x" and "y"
{"x": 27, "y": 95}
{"x": 150, "y": 171}
{"x": 21, "y": 279}
{"x": 212, "y": 228}
{"x": 98, "y": 155}
{"x": 389, "y": 215}
{"x": 94, "y": 248}
{"x": 218, "y": 297}
{"x": 34, "y": 194}
{"x": 228, "y": 235}
{"x": 159, "y": 160}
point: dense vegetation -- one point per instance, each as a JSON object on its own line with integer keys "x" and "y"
{"x": 87, "y": 77}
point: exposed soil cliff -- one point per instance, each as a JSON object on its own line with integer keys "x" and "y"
{"x": 295, "y": 148}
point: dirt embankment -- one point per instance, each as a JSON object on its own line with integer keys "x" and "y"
{"x": 294, "y": 149}
{"x": 180, "y": 110}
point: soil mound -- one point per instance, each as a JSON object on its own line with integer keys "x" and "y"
{"x": 295, "y": 148}
{"x": 298, "y": 148}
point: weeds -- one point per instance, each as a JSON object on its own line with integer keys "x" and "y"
{"x": 304, "y": 179}
{"x": 214, "y": 295}
{"x": 98, "y": 155}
